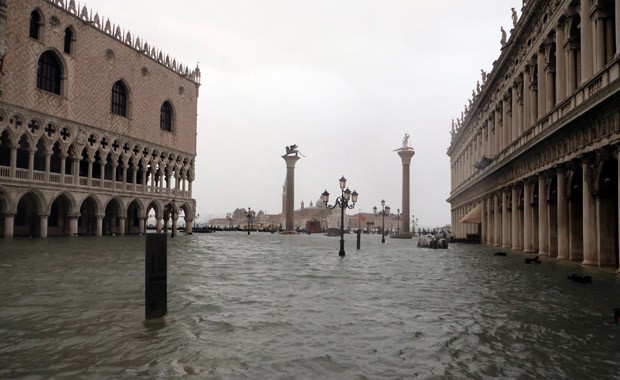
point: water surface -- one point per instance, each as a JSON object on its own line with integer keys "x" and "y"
{"x": 267, "y": 306}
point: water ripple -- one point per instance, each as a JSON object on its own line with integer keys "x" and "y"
{"x": 283, "y": 307}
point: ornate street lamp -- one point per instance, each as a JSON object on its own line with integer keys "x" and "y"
{"x": 343, "y": 202}
{"x": 250, "y": 214}
{"x": 385, "y": 210}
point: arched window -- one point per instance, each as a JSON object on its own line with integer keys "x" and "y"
{"x": 165, "y": 118}
{"x": 35, "y": 24}
{"x": 49, "y": 73}
{"x": 68, "y": 41}
{"x": 119, "y": 99}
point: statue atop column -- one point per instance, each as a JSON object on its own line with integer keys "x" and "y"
{"x": 406, "y": 144}
{"x": 292, "y": 150}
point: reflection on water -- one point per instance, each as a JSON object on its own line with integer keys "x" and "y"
{"x": 271, "y": 306}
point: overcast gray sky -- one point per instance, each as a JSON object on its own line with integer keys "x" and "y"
{"x": 342, "y": 79}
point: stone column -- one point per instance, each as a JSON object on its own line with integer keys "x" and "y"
{"x": 505, "y": 219}
{"x": 542, "y": 83}
{"x": 159, "y": 223}
{"x": 617, "y": 151}
{"x": 14, "y": 147}
{"x": 121, "y": 225}
{"x": 497, "y": 232}
{"x": 134, "y": 176}
{"x": 599, "y": 21}
{"x": 560, "y": 62}
{"x": 9, "y": 219}
{"x": 498, "y": 130}
{"x": 563, "y": 240}
{"x": 405, "y": 155}
{"x": 75, "y": 170}
{"x": 43, "y": 217}
{"x": 543, "y": 212}
{"x": 483, "y": 223}
{"x": 515, "y": 219}
{"x": 31, "y": 164}
{"x": 527, "y": 102}
{"x": 168, "y": 179}
{"x": 124, "y": 174}
{"x": 175, "y": 219}
{"x": 515, "y": 112}
{"x": 63, "y": 167}
{"x": 527, "y": 218}
{"x": 48, "y": 156}
{"x": 490, "y": 227}
{"x": 617, "y": 21}
{"x": 73, "y": 223}
{"x": 189, "y": 225}
{"x": 289, "y": 213}
{"x": 571, "y": 69}
{"x": 99, "y": 231}
{"x": 102, "y": 173}
{"x": 586, "y": 39}
{"x": 590, "y": 254}
{"x": 507, "y": 128}
{"x": 152, "y": 184}
{"x": 142, "y": 224}
{"x": 549, "y": 79}
{"x": 89, "y": 181}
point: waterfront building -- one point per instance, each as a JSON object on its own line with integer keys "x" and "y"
{"x": 534, "y": 156}
{"x": 97, "y": 126}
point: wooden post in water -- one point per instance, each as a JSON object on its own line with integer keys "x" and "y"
{"x": 155, "y": 276}
{"x": 359, "y": 238}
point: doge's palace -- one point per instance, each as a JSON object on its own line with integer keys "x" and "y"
{"x": 97, "y": 126}
{"x": 534, "y": 155}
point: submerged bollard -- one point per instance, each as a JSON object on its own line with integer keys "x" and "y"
{"x": 359, "y": 239}
{"x": 155, "y": 276}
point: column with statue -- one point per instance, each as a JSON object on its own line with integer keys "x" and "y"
{"x": 406, "y": 152}
{"x": 291, "y": 157}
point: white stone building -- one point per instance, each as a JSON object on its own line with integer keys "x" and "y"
{"x": 534, "y": 156}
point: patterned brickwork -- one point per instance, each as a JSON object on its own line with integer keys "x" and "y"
{"x": 96, "y": 63}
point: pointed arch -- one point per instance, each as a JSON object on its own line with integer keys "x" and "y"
{"x": 119, "y": 102}
{"x": 69, "y": 39}
{"x": 35, "y": 24}
{"x": 30, "y": 205}
{"x": 62, "y": 206}
{"x": 166, "y": 117}
{"x": 50, "y": 72}
{"x": 90, "y": 210}
{"x": 114, "y": 211}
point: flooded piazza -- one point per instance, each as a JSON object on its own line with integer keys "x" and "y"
{"x": 268, "y": 306}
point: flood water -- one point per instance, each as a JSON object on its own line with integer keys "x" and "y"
{"x": 268, "y": 306}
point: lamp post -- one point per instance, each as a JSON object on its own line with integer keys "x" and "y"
{"x": 343, "y": 202}
{"x": 384, "y": 210}
{"x": 250, "y": 214}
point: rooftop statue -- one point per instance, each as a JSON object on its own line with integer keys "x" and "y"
{"x": 503, "y": 41}
{"x": 514, "y": 17}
